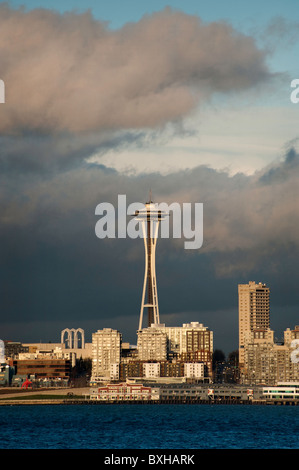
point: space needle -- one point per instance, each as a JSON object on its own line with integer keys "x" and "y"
{"x": 150, "y": 217}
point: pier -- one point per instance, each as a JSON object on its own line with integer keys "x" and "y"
{"x": 85, "y": 401}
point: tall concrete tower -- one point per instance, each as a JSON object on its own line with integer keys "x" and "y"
{"x": 150, "y": 218}
{"x": 254, "y": 311}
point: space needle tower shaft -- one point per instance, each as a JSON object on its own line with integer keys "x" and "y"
{"x": 150, "y": 218}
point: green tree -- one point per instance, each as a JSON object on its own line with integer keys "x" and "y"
{"x": 218, "y": 357}
{"x": 233, "y": 358}
{"x": 81, "y": 372}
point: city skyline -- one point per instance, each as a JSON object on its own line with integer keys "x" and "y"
{"x": 191, "y": 100}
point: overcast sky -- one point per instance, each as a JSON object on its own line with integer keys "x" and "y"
{"x": 190, "y": 100}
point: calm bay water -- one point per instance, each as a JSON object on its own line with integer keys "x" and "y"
{"x": 149, "y": 427}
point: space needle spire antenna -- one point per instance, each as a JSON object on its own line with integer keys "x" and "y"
{"x": 150, "y": 217}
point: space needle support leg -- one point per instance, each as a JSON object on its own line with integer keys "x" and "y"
{"x": 154, "y": 282}
{"x": 145, "y": 277}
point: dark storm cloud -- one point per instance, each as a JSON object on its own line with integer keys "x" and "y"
{"x": 281, "y": 172}
{"x": 53, "y": 266}
{"x": 74, "y": 87}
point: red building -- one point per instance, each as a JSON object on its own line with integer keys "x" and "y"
{"x": 127, "y": 392}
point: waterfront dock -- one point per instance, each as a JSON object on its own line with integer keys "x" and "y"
{"x": 82, "y": 396}
{"x": 66, "y": 400}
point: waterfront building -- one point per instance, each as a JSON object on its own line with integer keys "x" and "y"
{"x": 194, "y": 370}
{"x": 130, "y": 368}
{"x": 268, "y": 363}
{"x": 207, "y": 393}
{"x": 151, "y": 369}
{"x": 188, "y": 338}
{"x": 106, "y": 354}
{"x": 164, "y": 371}
{"x": 282, "y": 391}
{"x": 125, "y": 392}
{"x": 254, "y": 312}
{"x": 189, "y": 343}
{"x": 172, "y": 369}
{"x": 291, "y": 335}
{"x": 14, "y": 348}
{"x": 6, "y": 373}
{"x": 175, "y": 392}
{"x": 42, "y": 368}
{"x": 114, "y": 371}
{"x": 152, "y": 344}
{"x": 56, "y": 351}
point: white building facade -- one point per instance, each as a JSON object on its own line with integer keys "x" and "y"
{"x": 194, "y": 370}
{"x": 106, "y": 354}
{"x": 152, "y": 344}
{"x": 266, "y": 362}
{"x": 188, "y": 338}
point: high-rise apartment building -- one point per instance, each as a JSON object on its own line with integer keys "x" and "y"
{"x": 268, "y": 363}
{"x": 152, "y": 344}
{"x": 191, "y": 342}
{"x": 106, "y": 353}
{"x": 291, "y": 335}
{"x": 188, "y": 338}
{"x": 254, "y": 312}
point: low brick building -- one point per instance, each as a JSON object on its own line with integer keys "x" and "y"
{"x": 43, "y": 368}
